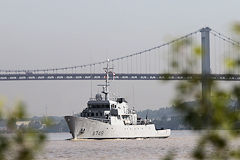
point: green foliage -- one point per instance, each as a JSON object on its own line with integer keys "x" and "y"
{"x": 170, "y": 156}
{"x": 236, "y": 27}
{"x": 198, "y": 50}
{"x": 22, "y": 143}
{"x": 211, "y": 113}
{"x": 178, "y": 45}
{"x": 48, "y": 121}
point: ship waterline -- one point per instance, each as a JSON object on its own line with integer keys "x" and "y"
{"x": 85, "y": 128}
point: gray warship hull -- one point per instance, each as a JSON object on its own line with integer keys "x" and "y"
{"x": 86, "y": 128}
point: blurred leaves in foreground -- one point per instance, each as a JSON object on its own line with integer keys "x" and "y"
{"x": 18, "y": 143}
{"x": 236, "y": 28}
{"x": 217, "y": 123}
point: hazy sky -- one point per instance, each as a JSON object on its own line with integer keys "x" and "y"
{"x": 58, "y": 33}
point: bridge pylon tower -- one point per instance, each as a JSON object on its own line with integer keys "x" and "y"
{"x": 206, "y": 70}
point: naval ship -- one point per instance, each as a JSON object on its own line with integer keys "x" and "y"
{"x": 111, "y": 118}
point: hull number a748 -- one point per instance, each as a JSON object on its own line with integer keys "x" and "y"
{"x": 97, "y": 133}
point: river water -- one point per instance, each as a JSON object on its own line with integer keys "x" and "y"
{"x": 180, "y": 143}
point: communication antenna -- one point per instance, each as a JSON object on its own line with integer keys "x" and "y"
{"x": 91, "y": 80}
{"x": 107, "y": 83}
{"x": 133, "y": 94}
{"x": 91, "y": 88}
{"x": 147, "y": 115}
{"x": 46, "y": 111}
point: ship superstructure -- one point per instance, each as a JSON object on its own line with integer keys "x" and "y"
{"x": 108, "y": 118}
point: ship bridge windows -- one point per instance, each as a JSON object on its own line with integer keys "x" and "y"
{"x": 113, "y": 106}
{"x": 91, "y": 114}
{"x": 120, "y": 100}
{"x": 98, "y": 105}
{"x": 125, "y": 116}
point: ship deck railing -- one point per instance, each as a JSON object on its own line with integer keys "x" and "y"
{"x": 94, "y": 99}
{"x": 100, "y": 119}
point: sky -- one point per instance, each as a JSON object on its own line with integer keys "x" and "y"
{"x": 38, "y": 34}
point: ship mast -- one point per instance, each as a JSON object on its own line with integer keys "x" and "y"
{"x": 105, "y": 88}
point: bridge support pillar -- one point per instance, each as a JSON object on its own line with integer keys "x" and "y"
{"x": 206, "y": 70}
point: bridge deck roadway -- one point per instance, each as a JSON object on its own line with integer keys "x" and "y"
{"x": 121, "y": 76}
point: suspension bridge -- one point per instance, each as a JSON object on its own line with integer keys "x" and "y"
{"x": 204, "y": 52}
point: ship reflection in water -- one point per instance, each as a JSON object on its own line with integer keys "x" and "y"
{"x": 57, "y": 148}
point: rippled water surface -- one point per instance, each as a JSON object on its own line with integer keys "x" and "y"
{"x": 57, "y": 148}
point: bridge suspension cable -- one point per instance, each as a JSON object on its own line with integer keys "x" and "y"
{"x": 152, "y": 63}
{"x": 102, "y": 62}
{"x": 225, "y": 38}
